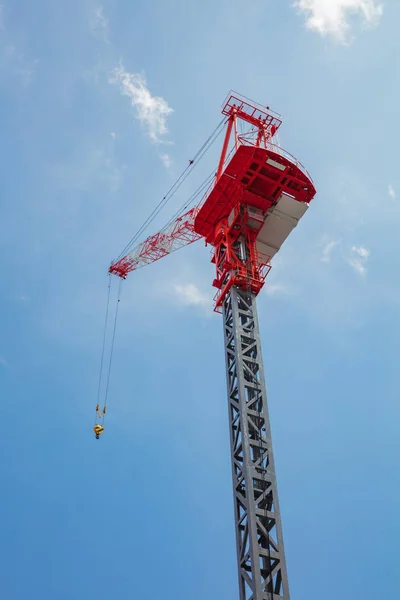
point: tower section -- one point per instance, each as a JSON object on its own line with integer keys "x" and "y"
{"x": 259, "y": 541}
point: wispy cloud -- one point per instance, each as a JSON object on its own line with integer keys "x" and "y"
{"x": 358, "y": 259}
{"x": 98, "y": 23}
{"x": 151, "y": 111}
{"x": 190, "y": 295}
{"x": 391, "y": 192}
{"x": 361, "y": 251}
{"x": 166, "y": 160}
{"x": 328, "y": 249}
{"x": 332, "y": 17}
{"x": 3, "y": 362}
{"x": 355, "y": 256}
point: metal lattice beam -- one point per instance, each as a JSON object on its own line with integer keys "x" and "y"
{"x": 175, "y": 235}
{"x": 260, "y": 551}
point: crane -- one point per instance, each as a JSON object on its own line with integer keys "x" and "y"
{"x": 254, "y": 200}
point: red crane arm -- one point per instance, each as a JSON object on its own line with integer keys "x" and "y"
{"x": 176, "y": 235}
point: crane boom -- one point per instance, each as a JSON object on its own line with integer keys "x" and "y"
{"x": 175, "y": 235}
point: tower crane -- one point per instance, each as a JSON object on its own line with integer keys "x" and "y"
{"x": 256, "y": 198}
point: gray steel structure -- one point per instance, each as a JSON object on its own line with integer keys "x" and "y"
{"x": 259, "y": 541}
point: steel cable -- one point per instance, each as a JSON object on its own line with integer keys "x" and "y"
{"x": 174, "y": 188}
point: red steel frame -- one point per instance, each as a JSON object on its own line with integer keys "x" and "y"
{"x": 250, "y": 179}
{"x": 244, "y": 189}
{"x": 177, "y": 234}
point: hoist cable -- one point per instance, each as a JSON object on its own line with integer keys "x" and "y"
{"x": 104, "y": 339}
{"x": 154, "y": 213}
{"x": 202, "y": 187}
{"x": 112, "y": 344}
{"x": 191, "y": 200}
{"x": 198, "y": 156}
{"x": 174, "y": 188}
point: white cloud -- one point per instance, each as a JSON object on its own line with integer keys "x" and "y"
{"x": 151, "y": 111}
{"x": 327, "y": 251}
{"x": 361, "y": 251}
{"x": 166, "y": 160}
{"x": 333, "y": 17}
{"x": 190, "y": 295}
{"x": 358, "y": 259}
{"x": 98, "y": 23}
{"x": 391, "y": 192}
{"x": 358, "y": 266}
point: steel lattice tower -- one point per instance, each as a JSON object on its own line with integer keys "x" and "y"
{"x": 260, "y": 552}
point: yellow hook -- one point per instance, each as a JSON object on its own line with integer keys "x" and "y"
{"x": 98, "y": 430}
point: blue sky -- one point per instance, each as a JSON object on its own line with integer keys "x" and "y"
{"x": 102, "y": 106}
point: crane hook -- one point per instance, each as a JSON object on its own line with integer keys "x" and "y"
{"x": 98, "y": 430}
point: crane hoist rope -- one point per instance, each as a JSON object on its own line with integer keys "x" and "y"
{"x": 191, "y": 200}
{"x": 175, "y": 187}
{"x": 100, "y": 413}
{"x": 104, "y": 340}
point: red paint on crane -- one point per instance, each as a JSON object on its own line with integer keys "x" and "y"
{"x": 259, "y": 194}
{"x": 256, "y": 200}
{"x": 254, "y": 177}
{"x": 177, "y": 234}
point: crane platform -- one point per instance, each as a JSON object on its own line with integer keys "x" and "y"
{"x": 254, "y": 177}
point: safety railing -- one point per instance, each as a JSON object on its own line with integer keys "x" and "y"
{"x": 282, "y": 152}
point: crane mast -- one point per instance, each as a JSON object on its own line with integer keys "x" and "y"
{"x": 260, "y": 552}
{"x": 259, "y": 194}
